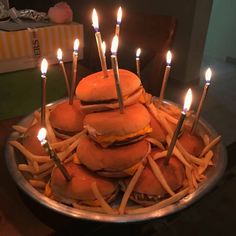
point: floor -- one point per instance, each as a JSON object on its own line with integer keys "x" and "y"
{"x": 219, "y": 108}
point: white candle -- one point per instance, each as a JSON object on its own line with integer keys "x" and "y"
{"x": 59, "y": 58}
{"x": 44, "y": 68}
{"x": 99, "y": 42}
{"x": 115, "y": 68}
{"x": 186, "y": 107}
{"x": 208, "y": 75}
{"x": 166, "y": 76}
{"x": 118, "y": 21}
{"x": 74, "y": 70}
{"x": 138, "y": 52}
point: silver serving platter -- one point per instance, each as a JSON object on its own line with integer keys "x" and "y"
{"x": 213, "y": 175}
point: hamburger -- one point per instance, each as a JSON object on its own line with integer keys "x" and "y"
{"x": 148, "y": 190}
{"x": 112, "y": 128}
{"x": 193, "y": 144}
{"x": 30, "y": 140}
{"x": 78, "y": 189}
{"x": 67, "y": 119}
{"x": 158, "y": 132}
{"x": 112, "y": 161}
{"x": 97, "y": 93}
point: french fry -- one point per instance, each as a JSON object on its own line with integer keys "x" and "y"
{"x": 28, "y": 154}
{"x": 159, "y": 205}
{"x": 106, "y": 207}
{"x": 48, "y": 190}
{"x": 187, "y": 155}
{"x": 158, "y": 174}
{"x": 207, "y": 159}
{"x": 210, "y": 145}
{"x": 50, "y": 133}
{"x": 37, "y": 183}
{"x": 168, "y": 117}
{"x": 88, "y": 208}
{"x": 159, "y": 155}
{"x": 178, "y": 154}
{"x": 68, "y": 141}
{"x": 166, "y": 126}
{"x": 129, "y": 189}
{"x": 26, "y": 168}
{"x": 155, "y": 142}
{"x": 206, "y": 139}
{"x": 43, "y": 175}
{"x": 19, "y": 128}
{"x": 153, "y": 110}
{"x": 36, "y": 166}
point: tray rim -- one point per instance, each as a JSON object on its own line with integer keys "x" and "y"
{"x": 63, "y": 209}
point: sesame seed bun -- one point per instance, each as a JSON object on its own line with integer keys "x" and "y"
{"x": 98, "y": 93}
{"x": 66, "y": 119}
{"x": 149, "y": 190}
{"x": 192, "y": 143}
{"x": 79, "y": 188}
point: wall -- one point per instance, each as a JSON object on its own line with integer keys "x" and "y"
{"x": 193, "y": 18}
{"x": 221, "y": 37}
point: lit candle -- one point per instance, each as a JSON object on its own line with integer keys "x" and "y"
{"x": 118, "y": 21}
{"x": 42, "y": 139}
{"x": 186, "y": 107}
{"x": 44, "y": 68}
{"x": 166, "y": 76}
{"x": 138, "y": 52}
{"x": 74, "y": 70}
{"x": 59, "y": 58}
{"x": 99, "y": 42}
{"x": 208, "y": 75}
{"x": 115, "y": 68}
{"x": 104, "y": 51}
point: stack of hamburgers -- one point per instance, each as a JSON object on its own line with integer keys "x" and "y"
{"x": 115, "y": 144}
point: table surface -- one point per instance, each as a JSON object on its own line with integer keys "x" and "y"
{"x": 213, "y": 214}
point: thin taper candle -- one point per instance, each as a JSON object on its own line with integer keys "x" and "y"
{"x": 138, "y": 52}
{"x": 44, "y": 68}
{"x": 187, "y": 105}
{"x": 99, "y": 43}
{"x": 59, "y": 57}
{"x": 208, "y": 75}
{"x": 166, "y": 76}
{"x": 42, "y": 138}
{"x": 118, "y": 21}
{"x": 74, "y": 70}
{"x": 115, "y": 68}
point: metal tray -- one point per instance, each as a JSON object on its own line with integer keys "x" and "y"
{"x": 213, "y": 175}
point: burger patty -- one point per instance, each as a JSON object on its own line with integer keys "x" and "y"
{"x": 128, "y": 141}
{"x": 110, "y": 101}
{"x": 68, "y": 133}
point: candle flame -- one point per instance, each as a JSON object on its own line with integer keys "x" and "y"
{"x": 76, "y": 45}
{"x": 59, "y": 54}
{"x": 42, "y": 134}
{"x": 119, "y": 15}
{"x": 208, "y": 75}
{"x": 187, "y": 101}
{"x": 104, "y": 47}
{"x": 168, "y": 57}
{"x": 138, "y": 52}
{"x": 114, "y": 45}
{"x": 44, "y": 66}
{"x": 95, "y": 20}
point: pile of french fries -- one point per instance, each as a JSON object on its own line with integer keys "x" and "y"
{"x": 40, "y": 167}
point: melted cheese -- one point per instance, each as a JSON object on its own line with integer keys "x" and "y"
{"x": 108, "y": 140}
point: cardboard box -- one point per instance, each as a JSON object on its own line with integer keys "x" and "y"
{"x": 23, "y": 49}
